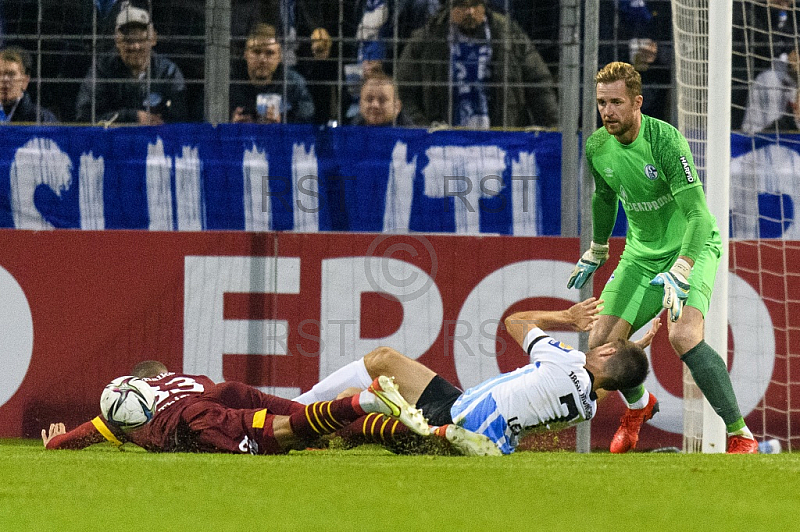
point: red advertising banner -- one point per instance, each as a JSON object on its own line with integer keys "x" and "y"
{"x": 280, "y": 310}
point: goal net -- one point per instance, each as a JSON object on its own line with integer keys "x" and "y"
{"x": 692, "y": 65}
{"x": 763, "y": 332}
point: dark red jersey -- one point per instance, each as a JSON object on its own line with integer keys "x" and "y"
{"x": 193, "y": 414}
{"x": 174, "y": 393}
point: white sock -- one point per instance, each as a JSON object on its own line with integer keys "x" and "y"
{"x": 353, "y": 375}
{"x": 641, "y": 403}
{"x": 370, "y": 403}
{"x": 744, "y": 431}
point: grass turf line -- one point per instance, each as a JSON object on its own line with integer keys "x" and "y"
{"x": 101, "y": 488}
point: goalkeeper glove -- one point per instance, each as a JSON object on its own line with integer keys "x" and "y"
{"x": 594, "y": 257}
{"x": 676, "y": 287}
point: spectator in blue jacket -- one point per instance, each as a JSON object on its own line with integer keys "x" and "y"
{"x": 269, "y": 92}
{"x": 153, "y": 90}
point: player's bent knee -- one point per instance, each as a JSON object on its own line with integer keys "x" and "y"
{"x": 381, "y": 360}
{"x": 684, "y": 338}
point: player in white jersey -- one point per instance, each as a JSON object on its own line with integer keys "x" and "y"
{"x": 553, "y": 391}
{"x": 556, "y": 389}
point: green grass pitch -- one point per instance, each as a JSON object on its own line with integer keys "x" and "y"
{"x": 367, "y": 488}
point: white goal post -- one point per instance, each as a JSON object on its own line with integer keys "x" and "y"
{"x": 702, "y": 34}
{"x": 739, "y": 107}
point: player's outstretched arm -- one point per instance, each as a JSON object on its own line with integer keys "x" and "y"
{"x": 79, "y": 438}
{"x": 579, "y": 317}
{"x": 604, "y": 215}
{"x": 582, "y": 316}
{"x": 55, "y": 430}
{"x": 647, "y": 339}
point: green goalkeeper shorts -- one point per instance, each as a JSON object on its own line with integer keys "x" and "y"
{"x": 629, "y": 294}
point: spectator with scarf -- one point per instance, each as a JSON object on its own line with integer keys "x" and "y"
{"x": 472, "y": 67}
{"x": 375, "y": 39}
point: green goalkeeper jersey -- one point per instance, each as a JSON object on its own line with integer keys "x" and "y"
{"x": 655, "y": 179}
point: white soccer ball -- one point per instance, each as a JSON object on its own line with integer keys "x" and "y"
{"x": 128, "y": 402}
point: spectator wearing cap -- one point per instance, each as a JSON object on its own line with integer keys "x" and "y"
{"x": 472, "y": 67}
{"x": 15, "y": 104}
{"x": 152, "y": 91}
{"x": 268, "y": 92}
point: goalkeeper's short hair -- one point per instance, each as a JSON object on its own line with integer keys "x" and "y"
{"x": 617, "y": 71}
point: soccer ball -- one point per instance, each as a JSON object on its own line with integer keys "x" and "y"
{"x": 128, "y": 403}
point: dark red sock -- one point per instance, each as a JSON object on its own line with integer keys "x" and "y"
{"x": 374, "y": 428}
{"x": 325, "y": 417}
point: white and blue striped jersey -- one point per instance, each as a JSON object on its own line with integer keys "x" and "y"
{"x": 553, "y": 391}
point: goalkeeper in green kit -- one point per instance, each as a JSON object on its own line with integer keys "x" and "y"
{"x": 672, "y": 249}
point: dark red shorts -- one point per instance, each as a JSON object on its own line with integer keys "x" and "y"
{"x": 235, "y": 418}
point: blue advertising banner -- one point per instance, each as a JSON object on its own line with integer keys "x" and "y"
{"x": 191, "y": 177}
{"x": 194, "y": 177}
{"x": 765, "y": 186}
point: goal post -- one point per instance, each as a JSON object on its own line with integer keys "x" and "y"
{"x": 718, "y": 186}
{"x": 737, "y": 93}
{"x": 702, "y": 37}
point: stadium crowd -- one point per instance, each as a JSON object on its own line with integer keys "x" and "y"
{"x": 463, "y": 63}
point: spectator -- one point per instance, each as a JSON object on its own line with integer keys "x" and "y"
{"x": 15, "y": 104}
{"x": 656, "y": 77}
{"x": 296, "y": 20}
{"x": 311, "y": 39}
{"x": 769, "y": 28}
{"x": 321, "y": 73}
{"x": 375, "y": 41}
{"x": 182, "y": 27}
{"x": 380, "y": 104}
{"x": 270, "y": 92}
{"x": 59, "y": 31}
{"x": 640, "y": 32}
{"x": 772, "y": 101}
{"x": 153, "y": 92}
{"x": 504, "y": 84}
{"x": 375, "y": 31}
{"x": 762, "y": 33}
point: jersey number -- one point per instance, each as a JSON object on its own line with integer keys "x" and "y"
{"x": 176, "y": 386}
{"x": 572, "y": 408}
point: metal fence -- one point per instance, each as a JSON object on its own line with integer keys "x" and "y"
{"x": 72, "y": 41}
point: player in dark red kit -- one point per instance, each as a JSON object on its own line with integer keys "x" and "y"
{"x": 193, "y": 414}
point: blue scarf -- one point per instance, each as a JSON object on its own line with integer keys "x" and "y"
{"x": 470, "y": 68}
{"x": 104, "y": 6}
{"x": 374, "y": 24}
{"x": 288, "y": 31}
